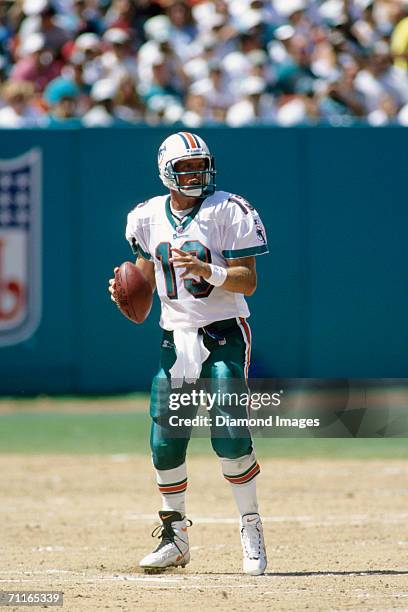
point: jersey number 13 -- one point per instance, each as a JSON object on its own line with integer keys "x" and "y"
{"x": 198, "y": 289}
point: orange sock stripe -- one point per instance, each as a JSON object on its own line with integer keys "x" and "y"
{"x": 173, "y": 488}
{"x": 251, "y": 467}
{"x": 246, "y": 478}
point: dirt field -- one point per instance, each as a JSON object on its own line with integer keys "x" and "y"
{"x": 336, "y": 531}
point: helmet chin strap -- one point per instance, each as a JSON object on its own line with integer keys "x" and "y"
{"x": 192, "y": 193}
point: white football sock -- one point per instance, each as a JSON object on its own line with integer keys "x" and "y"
{"x": 245, "y": 497}
{"x": 241, "y": 474}
{"x": 172, "y": 486}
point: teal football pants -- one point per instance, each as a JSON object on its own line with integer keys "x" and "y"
{"x": 227, "y": 367}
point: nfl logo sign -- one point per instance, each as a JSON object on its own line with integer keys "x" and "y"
{"x": 20, "y": 247}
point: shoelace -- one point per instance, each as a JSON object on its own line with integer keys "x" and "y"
{"x": 251, "y": 537}
{"x": 167, "y": 535}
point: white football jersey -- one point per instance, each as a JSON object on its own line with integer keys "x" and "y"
{"x": 224, "y": 226}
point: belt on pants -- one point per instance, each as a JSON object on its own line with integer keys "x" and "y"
{"x": 216, "y": 330}
{"x": 219, "y": 329}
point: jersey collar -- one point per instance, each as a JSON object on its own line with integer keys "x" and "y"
{"x": 186, "y": 220}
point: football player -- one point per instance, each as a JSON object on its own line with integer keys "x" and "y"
{"x": 197, "y": 246}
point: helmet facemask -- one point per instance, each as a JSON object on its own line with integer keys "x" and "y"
{"x": 206, "y": 177}
{"x": 205, "y": 187}
{"x": 185, "y": 146}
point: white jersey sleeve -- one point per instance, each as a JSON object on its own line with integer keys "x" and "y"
{"x": 137, "y": 231}
{"x": 244, "y": 233}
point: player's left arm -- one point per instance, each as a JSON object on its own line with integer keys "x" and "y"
{"x": 240, "y": 277}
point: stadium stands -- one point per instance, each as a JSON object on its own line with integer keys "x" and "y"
{"x": 234, "y": 62}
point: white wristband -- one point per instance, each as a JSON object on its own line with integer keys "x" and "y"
{"x": 218, "y": 275}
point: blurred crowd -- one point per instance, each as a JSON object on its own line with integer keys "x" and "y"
{"x": 196, "y": 62}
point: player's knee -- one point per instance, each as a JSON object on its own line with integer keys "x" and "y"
{"x": 233, "y": 448}
{"x": 166, "y": 456}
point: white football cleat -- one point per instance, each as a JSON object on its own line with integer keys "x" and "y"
{"x": 253, "y": 545}
{"x": 173, "y": 550}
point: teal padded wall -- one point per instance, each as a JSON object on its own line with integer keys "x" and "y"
{"x": 332, "y": 294}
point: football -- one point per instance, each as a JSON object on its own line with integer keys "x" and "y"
{"x": 134, "y": 292}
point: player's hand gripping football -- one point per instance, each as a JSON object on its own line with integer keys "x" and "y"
{"x": 191, "y": 263}
{"x": 113, "y": 288}
{"x": 131, "y": 291}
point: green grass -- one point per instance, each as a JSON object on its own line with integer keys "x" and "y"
{"x": 111, "y": 433}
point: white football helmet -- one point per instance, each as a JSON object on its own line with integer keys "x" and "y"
{"x": 185, "y": 145}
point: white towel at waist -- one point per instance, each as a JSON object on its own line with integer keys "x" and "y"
{"x": 191, "y": 354}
